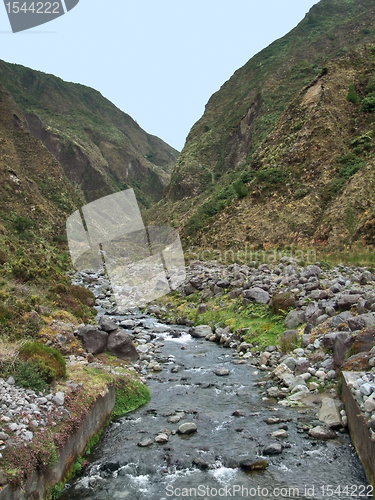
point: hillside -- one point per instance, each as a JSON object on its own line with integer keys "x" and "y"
{"x": 101, "y": 149}
{"x": 251, "y": 170}
{"x": 33, "y": 249}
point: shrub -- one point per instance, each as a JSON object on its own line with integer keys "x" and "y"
{"x": 350, "y": 164}
{"x": 30, "y": 375}
{"x": 289, "y": 340}
{"x": 49, "y": 362}
{"x": 371, "y": 85}
{"x": 6, "y": 314}
{"x": 301, "y": 193}
{"x": 82, "y": 294}
{"x": 335, "y": 185}
{"x": 368, "y": 104}
{"x": 22, "y": 223}
{"x": 3, "y": 257}
{"x": 271, "y": 175}
{"x": 352, "y": 95}
{"x": 240, "y": 188}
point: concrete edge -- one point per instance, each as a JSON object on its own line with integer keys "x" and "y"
{"x": 358, "y": 429}
{"x": 39, "y": 484}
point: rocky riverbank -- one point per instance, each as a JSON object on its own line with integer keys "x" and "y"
{"x": 329, "y": 316}
{"x": 329, "y": 321}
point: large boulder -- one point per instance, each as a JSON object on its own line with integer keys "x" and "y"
{"x": 294, "y": 319}
{"x": 187, "y": 428}
{"x": 120, "y": 344}
{"x": 322, "y": 432}
{"x": 256, "y": 294}
{"x": 364, "y": 340}
{"x": 346, "y": 301}
{"x": 311, "y": 270}
{"x": 107, "y": 324}
{"x": 341, "y": 345}
{"x": 94, "y": 340}
{"x": 357, "y": 363}
{"x": 361, "y": 321}
{"x": 329, "y": 413}
{"x": 200, "y": 331}
{"x": 281, "y": 302}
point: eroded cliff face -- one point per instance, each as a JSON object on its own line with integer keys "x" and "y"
{"x": 101, "y": 149}
{"x": 32, "y": 184}
{"x": 247, "y": 116}
{"x": 311, "y": 180}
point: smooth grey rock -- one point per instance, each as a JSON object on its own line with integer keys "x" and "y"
{"x": 145, "y": 442}
{"x": 329, "y": 413}
{"x": 162, "y": 438}
{"x": 257, "y": 294}
{"x": 187, "y": 428}
{"x": 200, "y": 331}
{"x": 59, "y": 398}
{"x": 273, "y": 449}
{"x": 322, "y": 432}
{"x": 294, "y": 319}
{"x": 173, "y": 419}
{"x": 280, "y": 433}
{"x": 221, "y": 371}
{"x": 128, "y": 323}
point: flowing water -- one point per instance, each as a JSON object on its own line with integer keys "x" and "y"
{"x": 205, "y": 464}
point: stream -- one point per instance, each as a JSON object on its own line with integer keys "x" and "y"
{"x": 230, "y": 414}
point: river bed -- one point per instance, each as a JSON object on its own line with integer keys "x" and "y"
{"x": 230, "y": 414}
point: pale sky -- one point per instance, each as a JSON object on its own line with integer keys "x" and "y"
{"x": 157, "y": 60}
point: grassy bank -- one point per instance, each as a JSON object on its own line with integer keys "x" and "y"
{"x": 255, "y": 321}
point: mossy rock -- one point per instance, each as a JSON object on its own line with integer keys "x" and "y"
{"x": 357, "y": 363}
{"x": 281, "y": 302}
{"x": 365, "y": 340}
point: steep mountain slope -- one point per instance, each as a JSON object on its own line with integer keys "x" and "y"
{"x": 222, "y": 150}
{"x": 312, "y": 181}
{"x": 100, "y": 148}
{"x": 36, "y": 198}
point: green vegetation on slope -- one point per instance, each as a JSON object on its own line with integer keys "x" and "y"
{"x": 101, "y": 149}
{"x": 244, "y": 135}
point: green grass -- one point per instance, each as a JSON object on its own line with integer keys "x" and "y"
{"x": 129, "y": 396}
{"x": 260, "y": 326}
